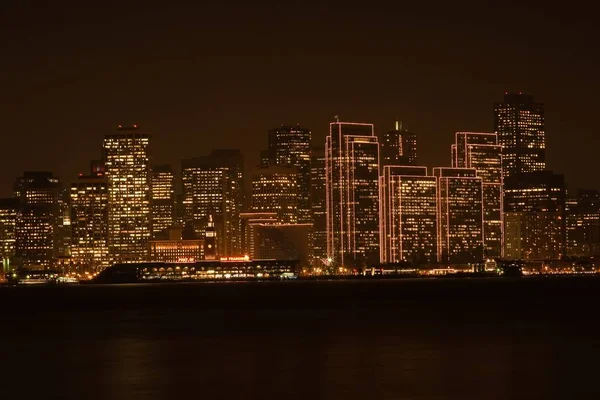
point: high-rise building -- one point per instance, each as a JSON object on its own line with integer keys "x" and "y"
{"x": 460, "y": 215}
{"x": 352, "y": 194}
{"x": 291, "y": 146}
{"x": 318, "y": 204}
{"x": 213, "y": 185}
{"x": 89, "y": 221}
{"x": 408, "y": 204}
{"x": 583, "y": 224}
{"x": 275, "y": 189}
{"x": 9, "y": 209}
{"x": 39, "y": 228}
{"x": 519, "y": 124}
{"x": 482, "y": 152}
{"x": 534, "y": 215}
{"x": 127, "y": 160}
{"x": 163, "y": 198}
{"x": 249, "y": 221}
{"x": 398, "y": 146}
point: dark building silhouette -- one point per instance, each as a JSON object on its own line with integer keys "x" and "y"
{"x": 398, "y": 146}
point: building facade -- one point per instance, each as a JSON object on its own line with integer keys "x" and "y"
{"x": 408, "y": 204}
{"x": 482, "y": 152}
{"x": 519, "y": 124}
{"x": 9, "y": 209}
{"x": 128, "y": 172}
{"x": 163, "y": 198}
{"x": 290, "y": 146}
{"x": 213, "y": 185}
{"x": 39, "y": 230}
{"x": 534, "y": 213}
{"x": 352, "y": 194}
{"x": 583, "y": 224}
{"x": 460, "y": 215}
{"x": 275, "y": 189}
{"x": 174, "y": 248}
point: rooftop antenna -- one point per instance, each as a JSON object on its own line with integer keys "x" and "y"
{"x": 337, "y": 118}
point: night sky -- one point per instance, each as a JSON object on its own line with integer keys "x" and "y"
{"x": 200, "y": 77}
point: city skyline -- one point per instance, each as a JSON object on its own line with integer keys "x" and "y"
{"x": 74, "y": 74}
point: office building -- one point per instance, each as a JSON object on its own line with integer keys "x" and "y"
{"x": 534, "y": 214}
{"x": 460, "y": 215}
{"x": 482, "y": 152}
{"x": 249, "y": 221}
{"x": 213, "y": 185}
{"x": 408, "y": 204}
{"x": 398, "y": 146}
{"x": 9, "y": 209}
{"x": 127, "y": 161}
{"x": 583, "y": 224}
{"x": 519, "y": 124}
{"x": 163, "y": 198}
{"x": 290, "y": 146}
{"x": 275, "y": 189}
{"x": 282, "y": 242}
{"x": 39, "y": 233}
{"x": 89, "y": 222}
{"x": 352, "y": 194}
{"x": 318, "y": 204}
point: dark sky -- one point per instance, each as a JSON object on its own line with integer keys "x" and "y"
{"x": 220, "y": 75}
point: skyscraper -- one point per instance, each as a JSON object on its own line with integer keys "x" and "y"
{"x": 352, "y": 194}
{"x": 9, "y": 209}
{"x": 275, "y": 189}
{"x": 291, "y": 146}
{"x": 163, "y": 198}
{"x": 460, "y": 215}
{"x": 519, "y": 124}
{"x": 318, "y": 204}
{"x": 482, "y": 152}
{"x": 534, "y": 214}
{"x": 89, "y": 221}
{"x": 408, "y": 204}
{"x": 398, "y": 146}
{"x": 39, "y": 223}
{"x": 213, "y": 185}
{"x": 127, "y": 159}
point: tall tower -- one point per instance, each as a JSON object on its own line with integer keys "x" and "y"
{"x": 89, "y": 221}
{"x": 163, "y": 198}
{"x": 275, "y": 189}
{"x": 519, "y": 124}
{"x": 318, "y": 204}
{"x": 127, "y": 159}
{"x": 9, "y": 209}
{"x": 408, "y": 215}
{"x": 291, "y": 146}
{"x": 213, "y": 185}
{"x": 482, "y": 152}
{"x": 210, "y": 240}
{"x": 460, "y": 215}
{"x": 352, "y": 194}
{"x": 398, "y": 146}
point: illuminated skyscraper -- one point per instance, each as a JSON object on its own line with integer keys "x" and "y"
{"x": 275, "y": 189}
{"x": 460, "y": 215}
{"x": 583, "y": 224}
{"x": 9, "y": 209}
{"x": 318, "y": 204}
{"x": 127, "y": 159}
{"x": 163, "y": 197}
{"x": 40, "y": 224}
{"x": 213, "y": 185}
{"x": 291, "y": 146}
{"x": 519, "y": 124}
{"x": 399, "y": 146}
{"x": 408, "y": 204}
{"x": 352, "y": 195}
{"x": 482, "y": 152}
{"x": 89, "y": 221}
{"x": 534, "y": 214}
